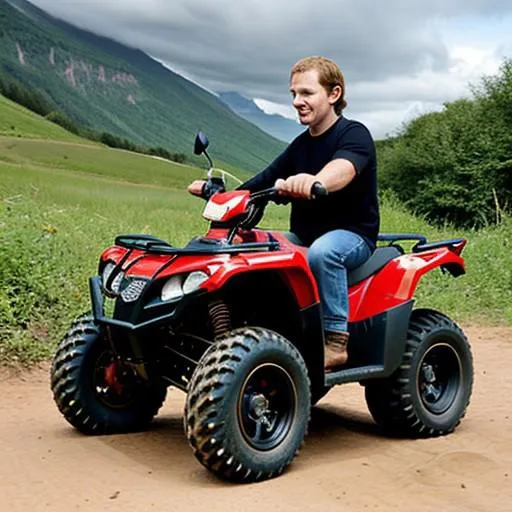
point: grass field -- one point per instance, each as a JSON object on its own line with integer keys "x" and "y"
{"x": 17, "y": 121}
{"x": 63, "y": 202}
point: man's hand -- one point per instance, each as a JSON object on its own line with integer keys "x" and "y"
{"x": 196, "y": 187}
{"x": 296, "y": 186}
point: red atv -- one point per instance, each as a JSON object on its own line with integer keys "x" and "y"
{"x": 234, "y": 320}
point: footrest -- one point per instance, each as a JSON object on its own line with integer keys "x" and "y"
{"x": 353, "y": 374}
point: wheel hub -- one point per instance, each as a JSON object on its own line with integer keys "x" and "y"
{"x": 432, "y": 389}
{"x": 439, "y": 376}
{"x": 266, "y": 406}
{"x": 259, "y": 411}
{"x": 111, "y": 378}
{"x": 115, "y": 385}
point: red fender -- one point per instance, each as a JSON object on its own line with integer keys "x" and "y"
{"x": 397, "y": 281}
{"x": 292, "y": 265}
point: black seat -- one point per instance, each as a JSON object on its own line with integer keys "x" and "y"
{"x": 380, "y": 257}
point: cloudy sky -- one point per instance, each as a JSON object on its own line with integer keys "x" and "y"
{"x": 400, "y": 58}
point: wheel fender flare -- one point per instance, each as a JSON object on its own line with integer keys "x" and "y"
{"x": 396, "y": 283}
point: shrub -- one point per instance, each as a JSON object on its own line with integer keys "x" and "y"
{"x": 59, "y": 118}
{"x": 456, "y": 165}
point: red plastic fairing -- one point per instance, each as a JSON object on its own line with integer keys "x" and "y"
{"x": 457, "y": 248}
{"x": 114, "y": 253}
{"x": 224, "y": 206}
{"x": 292, "y": 264}
{"x": 146, "y": 264}
{"x": 396, "y": 282}
{"x": 221, "y": 267}
{"x": 217, "y": 233}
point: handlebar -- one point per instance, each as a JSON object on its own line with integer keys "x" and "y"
{"x": 272, "y": 194}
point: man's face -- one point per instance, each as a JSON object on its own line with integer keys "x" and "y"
{"x": 314, "y": 105}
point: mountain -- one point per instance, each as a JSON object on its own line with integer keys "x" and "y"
{"x": 278, "y": 126}
{"x": 106, "y": 86}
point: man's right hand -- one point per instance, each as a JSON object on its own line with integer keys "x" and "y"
{"x": 298, "y": 185}
{"x": 196, "y": 187}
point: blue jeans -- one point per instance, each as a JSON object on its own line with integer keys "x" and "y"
{"x": 330, "y": 257}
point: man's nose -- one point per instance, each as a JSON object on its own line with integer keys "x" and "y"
{"x": 297, "y": 101}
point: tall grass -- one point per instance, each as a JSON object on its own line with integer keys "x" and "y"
{"x": 484, "y": 293}
{"x": 52, "y": 228}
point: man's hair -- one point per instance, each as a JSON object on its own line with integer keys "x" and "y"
{"x": 329, "y": 76}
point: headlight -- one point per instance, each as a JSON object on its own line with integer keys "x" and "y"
{"x": 214, "y": 211}
{"x": 116, "y": 283}
{"x": 109, "y": 267}
{"x": 179, "y": 285}
{"x": 194, "y": 281}
{"x": 172, "y": 289}
{"x": 132, "y": 292}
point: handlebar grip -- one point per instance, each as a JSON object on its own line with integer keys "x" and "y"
{"x": 211, "y": 186}
{"x": 318, "y": 190}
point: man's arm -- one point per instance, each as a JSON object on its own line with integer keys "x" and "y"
{"x": 337, "y": 174}
{"x": 279, "y": 168}
{"x": 350, "y": 159}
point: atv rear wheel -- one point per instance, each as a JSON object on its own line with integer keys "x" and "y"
{"x": 94, "y": 391}
{"x": 428, "y": 395}
{"x": 248, "y": 405}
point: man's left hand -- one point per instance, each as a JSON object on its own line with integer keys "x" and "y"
{"x": 298, "y": 186}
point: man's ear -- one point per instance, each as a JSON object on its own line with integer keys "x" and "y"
{"x": 335, "y": 94}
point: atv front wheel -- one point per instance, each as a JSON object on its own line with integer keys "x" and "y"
{"x": 95, "y": 392}
{"x": 248, "y": 405}
{"x": 428, "y": 395}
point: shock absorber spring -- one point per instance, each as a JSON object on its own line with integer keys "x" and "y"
{"x": 220, "y": 317}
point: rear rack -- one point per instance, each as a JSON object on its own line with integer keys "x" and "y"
{"x": 422, "y": 243}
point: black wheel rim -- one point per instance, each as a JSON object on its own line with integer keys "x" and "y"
{"x": 116, "y": 385}
{"x": 439, "y": 378}
{"x": 266, "y": 406}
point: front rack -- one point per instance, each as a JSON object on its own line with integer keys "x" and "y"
{"x": 156, "y": 245}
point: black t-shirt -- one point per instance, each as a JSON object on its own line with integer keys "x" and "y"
{"x": 355, "y": 207}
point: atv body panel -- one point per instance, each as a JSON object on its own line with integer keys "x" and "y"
{"x": 380, "y": 292}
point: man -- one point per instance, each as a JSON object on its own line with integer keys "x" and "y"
{"x": 340, "y": 229}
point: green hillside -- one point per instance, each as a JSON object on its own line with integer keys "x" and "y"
{"x": 17, "y": 121}
{"x": 106, "y": 86}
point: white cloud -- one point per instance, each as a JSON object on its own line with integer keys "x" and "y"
{"x": 385, "y": 106}
{"x": 398, "y": 57}
{"x": 269, "y": 107}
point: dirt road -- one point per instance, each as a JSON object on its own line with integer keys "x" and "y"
{"x": 346, "y": 463}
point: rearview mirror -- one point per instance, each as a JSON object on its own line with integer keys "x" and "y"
{"x": 201, "y": 143}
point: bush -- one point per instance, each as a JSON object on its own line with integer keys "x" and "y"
{"x": 456, "y": 166}
{"x": 180, "y": 158}
{"x": 59, "y": 118}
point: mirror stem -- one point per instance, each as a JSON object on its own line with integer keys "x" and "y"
{"x": 210, "y": 163}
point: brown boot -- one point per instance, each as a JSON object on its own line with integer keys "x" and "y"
{"x": 335, "y": 352}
